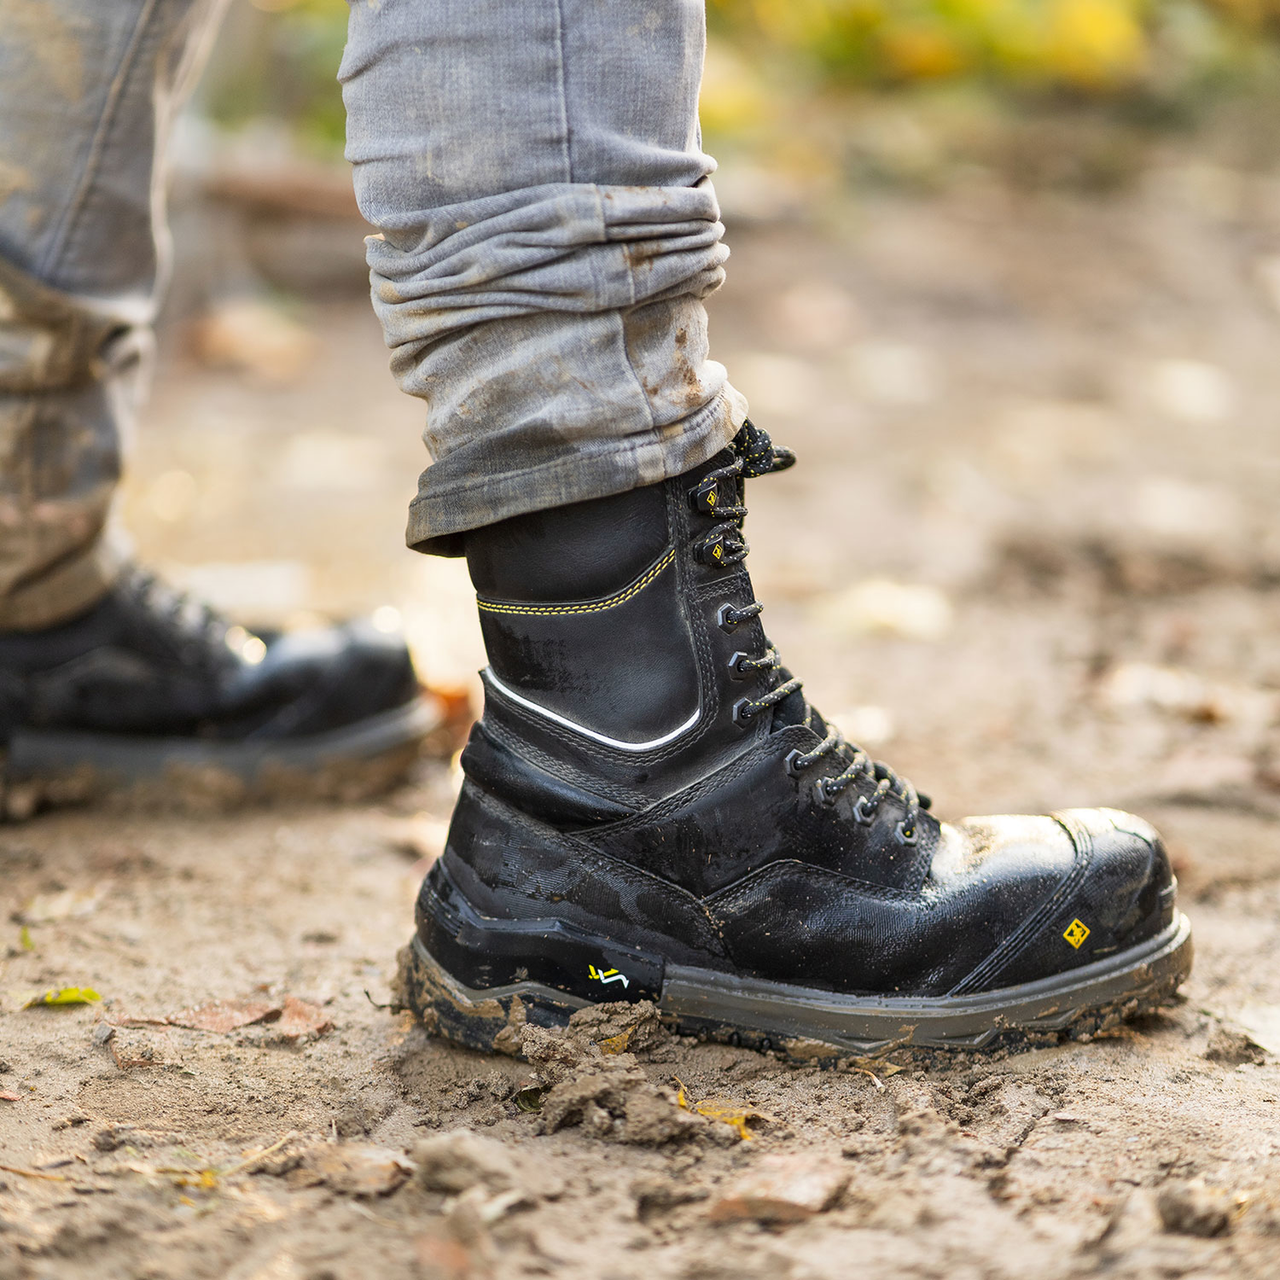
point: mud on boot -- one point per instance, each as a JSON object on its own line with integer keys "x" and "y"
{"x": 653, "y": 811}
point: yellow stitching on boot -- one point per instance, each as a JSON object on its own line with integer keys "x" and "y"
{"x": 596, "y": 606}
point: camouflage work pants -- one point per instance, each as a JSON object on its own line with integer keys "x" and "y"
{"x": 87, "y": 91}
{"x": 547, "y": 233}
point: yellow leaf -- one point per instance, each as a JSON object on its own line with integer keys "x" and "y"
{"x": 615, "y": 1044}
{"x": 64, "y": 995}
{"x": 24, "y": 939}
{"x": 736, "y": 1115}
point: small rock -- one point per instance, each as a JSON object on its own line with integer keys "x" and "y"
{"x": 1192, "y": 1209}
{"x": 357, "y": 1170}
{"x": 102, "y": 1035}
{"x": 782, "y": 1188}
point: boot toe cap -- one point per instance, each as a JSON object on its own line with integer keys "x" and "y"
{"x": 337, "y": 676}
{"x": 1121, "y": 893}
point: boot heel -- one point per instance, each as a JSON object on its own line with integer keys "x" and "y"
{"x": 490, "y": 1023}
{"x": 478, "y": 979}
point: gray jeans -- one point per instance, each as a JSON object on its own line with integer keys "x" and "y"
{"x": 547, "y": 234}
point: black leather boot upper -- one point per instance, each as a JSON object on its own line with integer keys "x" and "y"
{"x": 147, "y": 662}
{"x": 647, "y": 770}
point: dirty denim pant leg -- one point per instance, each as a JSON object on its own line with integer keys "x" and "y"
{"x": 87, "y": 91}
{"x": 547, "y": 234}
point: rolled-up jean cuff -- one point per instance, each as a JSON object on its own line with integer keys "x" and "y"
{"x": 453, "y": 498}
{"x": 64, "y": 591}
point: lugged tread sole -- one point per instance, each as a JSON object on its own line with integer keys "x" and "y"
{"x": 806, "y": 1024}
{"x": 46, "y": 770}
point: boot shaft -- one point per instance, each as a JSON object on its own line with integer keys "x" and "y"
{"x": 616, "y": 632}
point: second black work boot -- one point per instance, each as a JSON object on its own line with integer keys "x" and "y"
{"x": 154, "y": 696}
{"x": 652, "y": 811}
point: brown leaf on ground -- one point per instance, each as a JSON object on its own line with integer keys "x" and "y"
{"x": 782, "y": 1188}
{"x": 302, "y": 1018}
{"x": 10, "y": 1097}
{"x": 290, "y": 1019}
{"x": 225, "y": 1015}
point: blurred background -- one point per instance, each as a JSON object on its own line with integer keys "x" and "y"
{"x": 1006, "y": 273}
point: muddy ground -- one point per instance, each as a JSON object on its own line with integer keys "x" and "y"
{"x": 1029, "y": 555}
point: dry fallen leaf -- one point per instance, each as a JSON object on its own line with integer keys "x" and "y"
{"x": 63, "y": 995}
{"x": 301, "y": 1018}
{"x": 737, "y": 1115}
{"x": 224, "y": 1015}
{"x": 290, "y": 1018}
{"x": 10, "y": 1097}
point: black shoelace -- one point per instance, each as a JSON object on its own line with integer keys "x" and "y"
{"x": 725, "y": 545}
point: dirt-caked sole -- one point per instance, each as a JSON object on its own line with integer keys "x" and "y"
{"x": 43, "y": 770}
{"x": 800, "y": 1022}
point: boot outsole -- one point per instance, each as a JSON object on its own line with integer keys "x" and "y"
{"x": 806, "y": 1024}
{"x": 44, "y": 769}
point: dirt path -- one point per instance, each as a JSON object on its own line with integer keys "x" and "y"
{"x": 1046, "y": 430}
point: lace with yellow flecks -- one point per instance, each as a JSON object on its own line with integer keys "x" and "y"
{"x": 725, "y": 545}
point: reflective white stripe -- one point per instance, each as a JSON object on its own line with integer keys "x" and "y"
{"x": 582, "y": 729}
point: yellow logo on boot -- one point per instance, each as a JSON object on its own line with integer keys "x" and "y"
{"x": 1077, "y": 932}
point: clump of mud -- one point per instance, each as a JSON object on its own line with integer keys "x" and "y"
{"x": 588, "y": 1075}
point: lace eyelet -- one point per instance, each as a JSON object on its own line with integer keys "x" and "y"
{"x": 725, "y": 619}
{"x": 705, "y": 497}
{"x": 713, "y": 550}
{"x": 742, "y": 713}
{"x": 737, "y": 668}
{"x": 792, "y": 763}
{"x": 824, "y": 793}
{"x": 863, "y": 812}
{"x": 905, "y": 837}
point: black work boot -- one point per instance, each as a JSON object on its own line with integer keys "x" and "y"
{"x": 151, "y": 692}
{"x": 652, "y": 811}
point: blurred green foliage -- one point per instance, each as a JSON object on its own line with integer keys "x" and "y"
{"x": 1150, "y": 61}
{"x": 278, "y": 60}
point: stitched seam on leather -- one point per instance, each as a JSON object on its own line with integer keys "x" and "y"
{"x": 557, "y": 767}
{"x": 576, "y": 742}
{"x": 670, "y": 805}
{"x": 1017, "y": 942}
{"x": 595, "y": 606}
{"x": 732, "y": 893}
